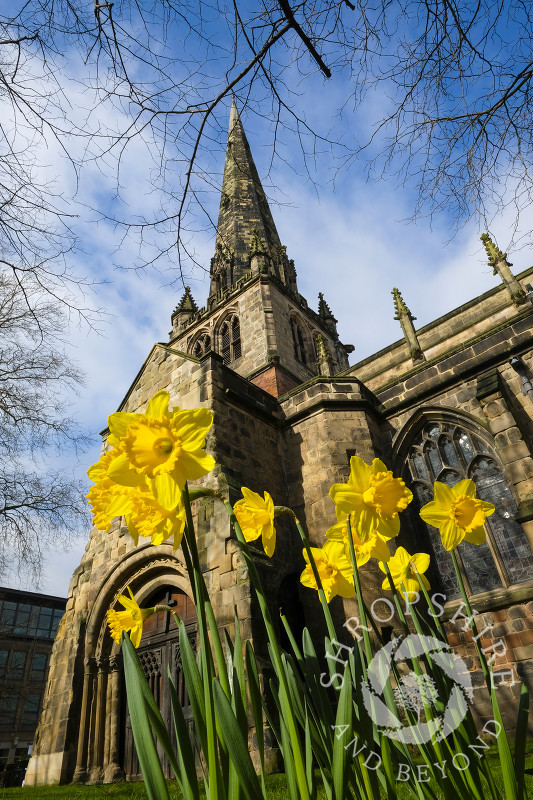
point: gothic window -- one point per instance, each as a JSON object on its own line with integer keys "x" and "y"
{"x": 230, "y": 340}
{"x": 449, "y": 453}
{"x": 202, "y": 345}
{"x": 298, "y": 342}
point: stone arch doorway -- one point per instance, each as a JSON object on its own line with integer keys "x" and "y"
{"x": 159, "y": 654}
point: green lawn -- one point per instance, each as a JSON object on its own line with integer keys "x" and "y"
{"x": 276, "y": 785}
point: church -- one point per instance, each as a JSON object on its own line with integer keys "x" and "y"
{"x": 451, "y": 400}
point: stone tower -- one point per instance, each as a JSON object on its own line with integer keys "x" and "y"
{"x": 448, "y": 401}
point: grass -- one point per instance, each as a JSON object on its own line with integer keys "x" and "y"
{"x": 276, "y": 785}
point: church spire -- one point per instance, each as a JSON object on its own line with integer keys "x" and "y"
{"x": 247, "y": 238}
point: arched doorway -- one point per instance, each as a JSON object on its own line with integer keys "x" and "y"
{"x": 159, "y": 653}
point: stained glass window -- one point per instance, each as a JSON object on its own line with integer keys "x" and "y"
{"x": 449, "y": 454}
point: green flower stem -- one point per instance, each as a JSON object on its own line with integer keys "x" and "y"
{"x": 271, "y": 632}
{"x": 396, "y": 599}
{"x": 307, "y": 545}
{"x": 193, "y": 566}
{"x": 359, "y": 593}
{"x": 431, "y": 607}
{"x": 473, "y": 626}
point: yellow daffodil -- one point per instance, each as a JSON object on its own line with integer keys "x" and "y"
{"x": 130, "y": 620}
{"x": 255, "y": 515}
{"x": 107, "y": 498}
{"x": 145, "y": 516}
{"x": 372, "y": 497}
{"x": 334, "y": 569}
{"x": 373, "y": 547}
{"x": 401, "y": 567}
{"x": 457, "y": 513}
{"x": 160, "y": 447}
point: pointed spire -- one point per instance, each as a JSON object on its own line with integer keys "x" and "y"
{"x": 244, "y": 216}
{"x": 406, "y": 321}
{"x": 187, "y": 303}
{"x": 325, "y": 315}
{"x": 498, "y": 261}
{"x": 400, "y": 306}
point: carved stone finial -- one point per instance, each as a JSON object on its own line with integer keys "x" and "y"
{"x": 405, "y": 318}
{"x": 323, "y": 356}
{"x": 494, "y": 253}
{"x": 324, "y": 311}
{"x": 187, "y": 303}
{"x": 257, "y": 244}
{"x": 400, "y": 306}
{"x": 498, "y": 261}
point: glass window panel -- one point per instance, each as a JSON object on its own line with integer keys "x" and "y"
{"x": 509, "y": 536}
{"x": 449, "y": 452}
{"x": 480, "y": 445}
{"x": 450, "y": 477}
{"x": 433, "y": 431}
{"x": 479, "y": 566}
{"x": 420, "y": 466}
{"x": 434, "y": 459}
{"x": 8, "y": 710}
{"x": 18, "y": 664}
{"x": 38, "y": 666}
{"x": 3, "y": 662}
{"x": 58, "y": 615}
{"x": 30, "y": 712}
{"x": 465, "y": 446}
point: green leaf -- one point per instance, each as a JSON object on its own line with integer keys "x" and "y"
{"x": 236, "y": 744}
{"x": 194, "y": 684}
{"x": 187, "y": 778}
{"x": 520, "y": 740}
{"x": 340, "y": 754}
{"x": 138, "y": 704}
{"x": 506, "y": 759}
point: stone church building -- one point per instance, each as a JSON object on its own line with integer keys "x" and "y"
{"x": 453, "y": 399}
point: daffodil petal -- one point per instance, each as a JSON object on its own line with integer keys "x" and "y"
{"x": 451, "y": 535}
{"x": 165, "y": 490}
{"x": 360, "y": 473}
{"x": 158, "y": 406}
{"x": 192, "y": 425}
{"x": 443, "y": 494}
{"x": 119, "y": 423}
{"x": 389, "y": 528}
{"x": 121, "y": 472}
{"x": 421, "y": 561}
{"x": 466, "y": 487}
{"x": 434, "y": 514}
{"x": 477, "y": 536}
{"x": 269, "y": 540}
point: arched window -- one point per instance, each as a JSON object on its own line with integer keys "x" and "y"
{"x": 202, "y": 345}
{"x": 449, "y": 453}
{"x": 298, "y": 342}
{"x": 230, "y": 340}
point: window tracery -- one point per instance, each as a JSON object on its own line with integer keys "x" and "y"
{"x": 298, "y": 342}
{"x": 230, "y": 340}
{"x": 202, "y": 345}
{"x": 449, "y": 453}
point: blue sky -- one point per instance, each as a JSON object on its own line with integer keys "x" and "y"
{"x": 350, "y": 238}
